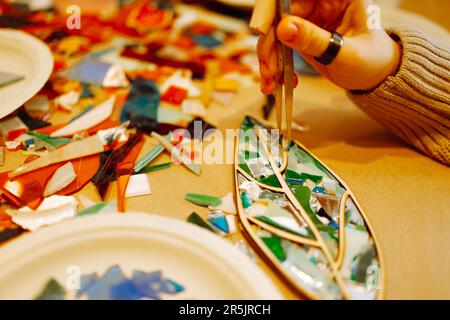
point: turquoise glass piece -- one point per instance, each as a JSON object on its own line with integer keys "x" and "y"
{"x": 246, "y": 200}
{"x": 220, "y": 222}
{"x": 143, "y": 100}
{"x": 174, "y": 287}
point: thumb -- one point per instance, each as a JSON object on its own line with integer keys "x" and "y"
{"x": 303, "y": 36}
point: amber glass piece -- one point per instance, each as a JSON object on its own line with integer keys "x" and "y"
{"x": 31, "y": 187}
{"x": 85, "y": 168}
{"x": 124, "y": 170}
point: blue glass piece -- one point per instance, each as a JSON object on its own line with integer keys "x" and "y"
{"x": 295, "y": 181}
{"x": 220, "y": 223}
{"x": 174, "y": 287}
{"x": 88, "y": 70}
{"x": 101, "y": 290}
{"x": 143, "y": 100}
{"x": 150, "y": 284}
{"x": 206, "y": 41}
{"x": 318, "y": 189}
{"x": 126, "y": 290}
{"x": 86, "y": 282}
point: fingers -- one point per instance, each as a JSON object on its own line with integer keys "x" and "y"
{"x": 303, "y": 36}
{"x": 268, "y": 63}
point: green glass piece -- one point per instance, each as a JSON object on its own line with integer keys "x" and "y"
{"x": 303, "y": 195}
{"x": 245, "y": 167}
{"x": 51, "y": 291}
{"x": 246, "y": 200}
{"x": 291, "y": 174}
{"x": 247, "y": 123}
{"x": 197, "y": 220}
{"x": 251, "y": 154}
{"x": 55, "y": 142}
{"x": 155, "y": 167}
{"x": 313, "y": 178}
{"x": 203, "y": 199}
{"x": 148, "y": 157}
{"x": 282, "y": 219}
{"x": 274, "y": 244}
{"x": 277, "y": 225}
{"x": 270, "y": 181}
{"x": 96, "y": 208}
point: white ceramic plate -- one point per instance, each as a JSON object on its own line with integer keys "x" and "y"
{"x": 208, "y": 266}
{"x": 22, "y": 54}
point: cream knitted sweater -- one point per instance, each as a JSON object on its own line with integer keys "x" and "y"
{"x": 415, "y": 102}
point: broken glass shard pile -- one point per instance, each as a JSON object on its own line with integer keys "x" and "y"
{"x": 121, "y": 88}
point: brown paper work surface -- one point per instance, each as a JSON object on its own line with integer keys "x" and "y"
{"x": 404, "y": 194}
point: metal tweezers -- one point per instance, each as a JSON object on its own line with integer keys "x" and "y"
{"x": 285, "y": 76}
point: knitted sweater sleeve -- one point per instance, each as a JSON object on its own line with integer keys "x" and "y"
{"x": 415, "y": 102}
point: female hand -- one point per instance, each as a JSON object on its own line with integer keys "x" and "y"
{"x": 366, "y": 59}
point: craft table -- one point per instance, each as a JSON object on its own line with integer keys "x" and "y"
{"x": 404, "y": 194}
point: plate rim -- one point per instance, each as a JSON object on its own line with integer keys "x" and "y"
{"x": 45, "y": 68}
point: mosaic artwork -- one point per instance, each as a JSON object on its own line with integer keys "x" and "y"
{"x": 304, "y": 218}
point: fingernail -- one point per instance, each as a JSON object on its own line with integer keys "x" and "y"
{"x": 290, "y": 32}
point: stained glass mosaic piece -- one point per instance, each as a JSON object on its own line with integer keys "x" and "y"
{"x": 96, "y": 208}
{"x": 148, "y": 157}
{"x": 197, "y": 220}
{"x": 53, "y": 141}
{"x": 62, "y": 177}
{"x": 88, "y": 120}
{"x": 177, "y": 154}
{"x": 155, "y": 167}
{"x": 203, "y": 199}
{"x": 274, "y": 244}
{"x": 124, "y": 169}
{"x": 52, "y": 210}
{"x": 143, "y": 100}
{"x": 51, "y": 291}
{"x": 101, "y": 289}
{"x": 200, "y": 129}
{"x": 246, "y": 200}
{"x": 138, "y": 185}
{"x": 220, "y": 222}
{"x": 110, "y": 159}
{"x": 227, "y": 204}
{"x": 280, "y": 218}
{"x": 29, "y": 121}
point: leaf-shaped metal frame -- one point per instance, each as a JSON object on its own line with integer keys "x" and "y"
{"x": 335, "y": 262}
